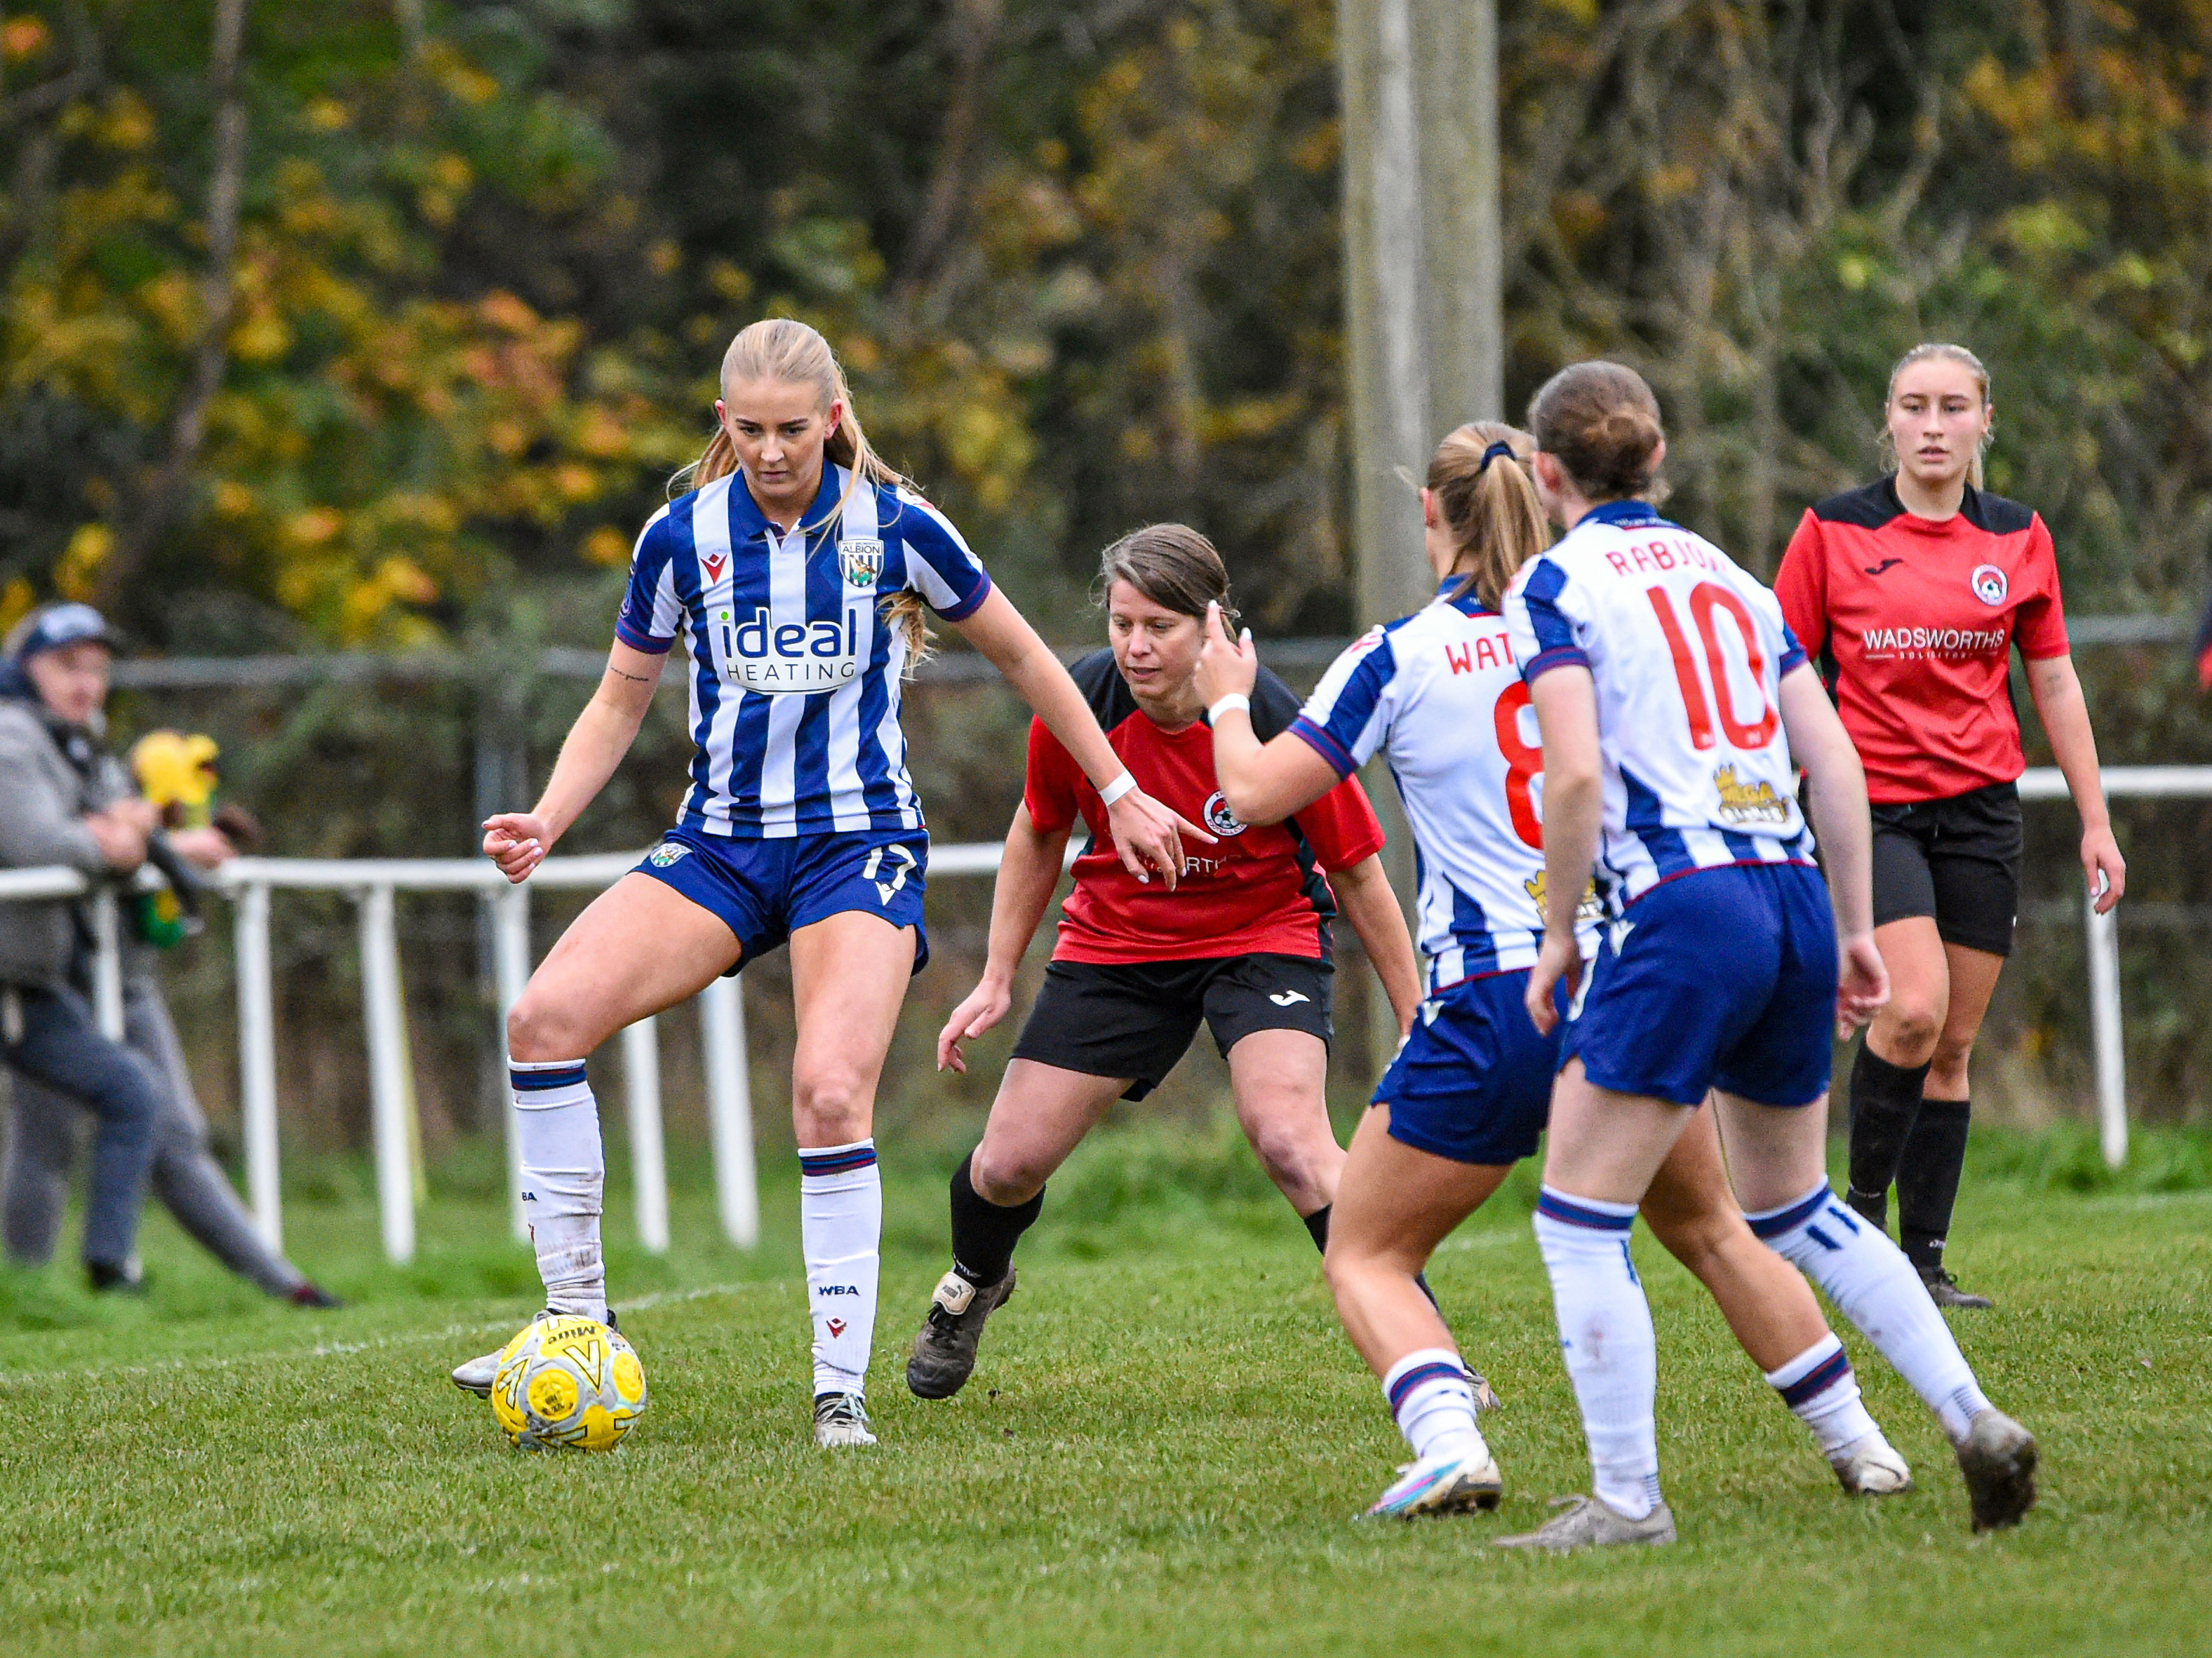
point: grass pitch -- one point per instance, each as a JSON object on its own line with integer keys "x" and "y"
{"x": 1160, "y": 1452}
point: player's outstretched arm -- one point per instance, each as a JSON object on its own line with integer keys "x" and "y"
{"x": 517, "y": 840}
{"x": 1818, "y": 743}
{"x": 1565, "y": 699}
{"x": 2056, "y": 691}
{"x": 1146, "y": 835}
{"x": 1364, "y": 893}
{"x": 1028, "y": 873}
{"x": 1263, "y": 783}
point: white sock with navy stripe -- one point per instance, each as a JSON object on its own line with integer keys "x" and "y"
{"x": 840, "y": 1226}
{"x": 1433, "y": 1403}
{"x": 1822, "y": 1393}
{"x": 1606, "y": 1337}
{"x": 564, "y": 1178}
{"x": 1873, "y": 1285}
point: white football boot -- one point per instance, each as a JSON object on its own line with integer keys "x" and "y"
{"x": 477, "y": 1375}
{"x": 842, "y": 1419}
{"x": 1449, "y": 1483}
{"x": 1590, "y": 1522}
{"x": 1871, "y": 1467}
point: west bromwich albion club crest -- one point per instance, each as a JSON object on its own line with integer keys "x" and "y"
{"x": 861, "y": 559}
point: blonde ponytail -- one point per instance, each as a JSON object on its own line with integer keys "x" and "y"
{"x": 781, "y": 350}
{"x": 1479, "y": 479}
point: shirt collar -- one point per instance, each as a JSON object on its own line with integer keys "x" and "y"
{"x": 748, "y": 522}
{"x": 1624, "y": 515}
{"x": 1469, "y": 603}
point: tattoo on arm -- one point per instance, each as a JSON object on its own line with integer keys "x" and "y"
{"x": 635, "y": 678}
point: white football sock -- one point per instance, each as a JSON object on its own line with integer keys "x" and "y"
{"x": 1873, "y": 1285}
{"x": 1433, "y": 1403}
{"x": 1606, "y": 1336}
{"x": 564, "y": 1179}
{"x": 841, "y": 1224}
{"x": 1822, "y": 1393}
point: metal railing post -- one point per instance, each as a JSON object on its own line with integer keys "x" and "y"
{"x": 730, "y": 1110}
{"x": 382, "y": 1015}
{"x": 648, "y": 1161}
{"x": 2103, "y": 945}
{"x": 510, "y": 934}
{"x": 257, "y": 1064}
{"x": 107, "y": 966}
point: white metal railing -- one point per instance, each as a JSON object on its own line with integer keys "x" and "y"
{"x": 375, "y": 882}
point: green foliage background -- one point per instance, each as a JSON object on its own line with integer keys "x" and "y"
{"x": 1082, "y": 258}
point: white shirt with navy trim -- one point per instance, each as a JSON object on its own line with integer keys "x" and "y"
{"x": 1687, "y": 651}
{"x": 795, "y": 673}
{"x": 1438, "y": 694}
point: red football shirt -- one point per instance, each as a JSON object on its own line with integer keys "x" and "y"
{"x": 1257, "y": 889}
{"x": 1918, "y": 619}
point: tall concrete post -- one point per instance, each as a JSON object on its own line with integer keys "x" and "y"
{"x": 1422, "y": 291}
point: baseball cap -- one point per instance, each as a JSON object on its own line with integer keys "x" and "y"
{"x": 59, "y": 625}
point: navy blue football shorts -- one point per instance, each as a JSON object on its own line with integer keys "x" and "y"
{"x": 1473, "y": 1082}
{"x": 1725, "y": 978}
{"x": 765, "y": 890}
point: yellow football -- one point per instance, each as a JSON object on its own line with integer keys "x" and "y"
{"x": 567, "y": 1383}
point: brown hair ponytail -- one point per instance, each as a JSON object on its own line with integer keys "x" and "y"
{"x": 779, "y": 349}
{"x": 1479, "y": 480}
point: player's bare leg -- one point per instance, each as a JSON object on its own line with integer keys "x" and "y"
{"x": 1280, "y": 1079}
{"x": 1394, "y": 1205}
{"x": 1040, "y": 1115}
{"x": 639, "y": 948}
{"x": 848, "y": 977}
{"x": 1776, "y": 1159}
{"x": 1693, "y": 1213}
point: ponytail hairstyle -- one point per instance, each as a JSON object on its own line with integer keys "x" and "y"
{"x": 1601, "y": 422}
{"x": 1172, "y": 565}
{"x": 1480, "y": 482}
{"x": 779, "y": 349}
{"x": 1887, "y": 446}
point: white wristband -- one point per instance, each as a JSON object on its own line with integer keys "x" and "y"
{"x": 1115, "y": 790}
{"x": 1234, "y": 699}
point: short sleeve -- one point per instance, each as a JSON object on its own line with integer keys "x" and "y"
{"x": 2039, "y": 624}
{"x": 1341, "y": 827}
{"x": 651, "y": 611}
{"x": 1538, "y": 619}
{"x": 1802, "y": 585}
{"x": 951, "y": 578}
{"x": 1349, "y": 713}
{"x": 1049, "y": 788}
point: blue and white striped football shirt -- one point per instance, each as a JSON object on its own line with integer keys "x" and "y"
{"x": 1438, "y": 694}
{"x": 795, "y": 674}
{"x": 1688, "y": 652}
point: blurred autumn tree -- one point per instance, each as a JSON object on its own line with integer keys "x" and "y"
{"x": 388, "y": 325}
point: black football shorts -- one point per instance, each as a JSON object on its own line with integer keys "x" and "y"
{"x": 1955, "y": 859}
{"x": 1136, "y": 1020}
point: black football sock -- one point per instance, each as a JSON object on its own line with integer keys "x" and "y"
{"x": 984, "y": 1233}
{"x": 1317, "y": 1227}
{"x": 1927, "y": 1180}
{"x": 1885, "y": 1099}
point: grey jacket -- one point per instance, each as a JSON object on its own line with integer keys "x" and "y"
{"x": 44, "y": 798}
